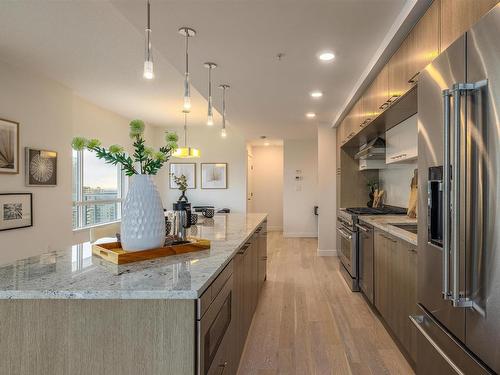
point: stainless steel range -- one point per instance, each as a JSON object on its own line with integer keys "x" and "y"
{"x": 348, "y": 230}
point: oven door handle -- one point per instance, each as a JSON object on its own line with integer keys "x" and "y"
{"x": 364, "y": 229}
{"x": 344, "y": 234}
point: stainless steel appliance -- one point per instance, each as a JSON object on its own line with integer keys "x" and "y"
{"x": 459, "y": 238}
{"x": 181, "y": 220}
{"x": 347, "y": 229}
{"x": 365, "y": 245}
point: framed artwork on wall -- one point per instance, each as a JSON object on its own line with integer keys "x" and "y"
{"x": 186, "y": 169}
{"x": 214, "y": 175}
{"x": 41, "y": 167}
{"x": 16, "y": 211}
{"x": 9, "y": 147}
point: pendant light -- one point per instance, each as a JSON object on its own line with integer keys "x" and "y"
{"x": 187, "y": 32}
{"x": 186, "y": 152}
{"x": 210, "y": 116}
{"x": 148, "y": 55}
{"x": 223, "y": 132}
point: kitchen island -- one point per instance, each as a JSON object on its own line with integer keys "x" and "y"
{"x": 68, "y": 312}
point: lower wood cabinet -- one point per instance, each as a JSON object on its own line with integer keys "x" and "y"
{"x": 249, "y": 273}
{"x": 395, "y": 270}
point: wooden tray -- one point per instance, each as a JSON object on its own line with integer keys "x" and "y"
{"x": 113, "y": 252}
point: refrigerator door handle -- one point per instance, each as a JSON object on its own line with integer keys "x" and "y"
{"x": 446, "y": 196}
{"x": 459, "y": 90}
{"x": 417, "y": 321}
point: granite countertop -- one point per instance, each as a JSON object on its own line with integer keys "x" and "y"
{"x": 383, "y": 222}
{"x": 73, "y": 273}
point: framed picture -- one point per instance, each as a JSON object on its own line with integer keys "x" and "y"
{"x": 16, "y": 211}
{"x": 41, "y": 167}
{"x": 214, "y": 175}
{"x": 9, "y": 147}
{"x": 186, "y": 169}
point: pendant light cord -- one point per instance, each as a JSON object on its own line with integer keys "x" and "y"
{"x": 187, "y": 55}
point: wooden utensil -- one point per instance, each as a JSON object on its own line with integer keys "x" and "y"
{"x": 412, "y": 203}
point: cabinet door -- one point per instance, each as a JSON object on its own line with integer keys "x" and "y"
{"x": 376, "y": 97}
{"x": 425, "y": 40}
{"x": 409, "y": 252}
{"x": 400, "y": 71}
{"x": 238, "y": 308}
{"x": 262, "y": 255}
{"x": 382, "y": 279}
{"x": 457, "y": 16}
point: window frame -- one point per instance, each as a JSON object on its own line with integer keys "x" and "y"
{"x": 79, "y": 203}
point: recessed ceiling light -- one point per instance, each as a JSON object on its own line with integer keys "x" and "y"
{"x": 316, "y": 94}
{"x": 266, "y": 144}
{"x": 310, "y": 115}
{"x": 326, "y": 56}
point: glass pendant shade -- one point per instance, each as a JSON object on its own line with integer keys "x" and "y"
{"x": 187, "y": 33}
{"x": 187, "y": 152}
{"x": 187, "y": 94}
{"x": 148, "y": 51}
{"x": 223, "y": 133}
{"x": 210, "y": 115}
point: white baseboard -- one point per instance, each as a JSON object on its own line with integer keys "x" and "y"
{"x": 327, "y": 253}
{"x": 300, "y": 234}
{"x": 274, "y": 228}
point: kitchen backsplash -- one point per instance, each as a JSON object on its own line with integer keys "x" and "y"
{"x": 395, "y": 180}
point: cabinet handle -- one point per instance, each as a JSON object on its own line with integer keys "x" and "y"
{"x": 384, "y": 105}
{"x": 414, "y": 79}
{"x": 388, "y": 238}
{"x": 398, "y": 156}
{"x": 222, "y": 367}
{"x": 393, "y": 98}
{"x": 412, "y": 251}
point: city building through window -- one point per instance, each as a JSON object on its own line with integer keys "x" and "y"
{"x": 97, "y": 190}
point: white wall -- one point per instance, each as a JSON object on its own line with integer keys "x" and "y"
{"x": 49, "y": 115}
{"x": 300, "y": 197}
{"x": 327, "y": 190}
{"x": 396, "y": 180}
{"x": 268, "y": 184}
{"x": 214, "y": 149}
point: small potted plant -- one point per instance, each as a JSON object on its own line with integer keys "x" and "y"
{"x": 143, "y": 221}
{"x": 182, "y": 185}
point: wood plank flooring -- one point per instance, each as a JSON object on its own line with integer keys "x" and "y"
{"x": 309, "y": 322}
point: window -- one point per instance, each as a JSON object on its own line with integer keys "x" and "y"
{"x": 97, "y": 190}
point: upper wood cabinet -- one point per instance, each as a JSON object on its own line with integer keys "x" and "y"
{"x": 457, "y": 16}
{"x": 400, "y": 71}
{"x": 376, "y": 96}
{"x": 424, "y": 41}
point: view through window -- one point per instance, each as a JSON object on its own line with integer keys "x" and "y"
{"x": 97, "y": 190}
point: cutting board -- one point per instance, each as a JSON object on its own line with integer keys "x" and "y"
{"x": 412, "y": 203}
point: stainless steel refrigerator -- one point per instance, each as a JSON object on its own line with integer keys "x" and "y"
{"x": 458, "y": 324}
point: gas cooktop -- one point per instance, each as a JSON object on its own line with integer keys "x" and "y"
{"x": 386, "y": 210}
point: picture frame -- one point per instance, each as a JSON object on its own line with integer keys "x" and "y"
{"x": 40, "y": 168}
{"x": 16, "y": 211}
{"x": 9, "y": 147}
{"x": 187, "y": 169}
{"x": 214, "y": 175}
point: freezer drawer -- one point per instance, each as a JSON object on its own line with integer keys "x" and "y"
{"x": 439, "y": 353}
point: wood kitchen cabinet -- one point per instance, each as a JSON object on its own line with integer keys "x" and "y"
{"x": 395, "y": 271}
{"x": 262, "y": 267}
{"x": 400, "y": 70}
{"x": 376, "y": 97}
{"x": 457, "y": 16}
{"x": 424, "y": 41}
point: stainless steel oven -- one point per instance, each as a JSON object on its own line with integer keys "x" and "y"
{"x": 214, "y": 333}
{"x": 348, "y": 251}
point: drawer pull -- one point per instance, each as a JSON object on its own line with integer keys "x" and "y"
{"x": 222, "y": 367}
{"x": 414, "y": 78}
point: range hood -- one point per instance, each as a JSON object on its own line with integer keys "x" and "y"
{"x": 373, "y": 150}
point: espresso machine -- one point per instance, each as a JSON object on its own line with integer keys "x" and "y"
{"x": 181, "y": 221}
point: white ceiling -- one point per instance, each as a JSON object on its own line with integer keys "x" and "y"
{"x": 96, "y": 48}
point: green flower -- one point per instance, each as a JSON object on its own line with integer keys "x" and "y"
{"x": 171, "y": 137}
{"x": 172, "y": 145}
{"x": 115, "y": 149}
{"x": 149, "y": 152}
{"x": 79, "y": 143}
{"x": 160, "y": 156}
{"x": 93, "y": 143}
{"x": 136, "y": 128}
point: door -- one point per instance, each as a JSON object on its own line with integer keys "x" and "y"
{"x": 483, "y": 191}
{"x": 441, "y": 74}
{"x": 366, "y": 260}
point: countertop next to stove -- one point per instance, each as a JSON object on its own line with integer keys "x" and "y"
{"x": 383, "y": 222}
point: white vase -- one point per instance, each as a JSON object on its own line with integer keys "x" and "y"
{"x": 143, "y": 221}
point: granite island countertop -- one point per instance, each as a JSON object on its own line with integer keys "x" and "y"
{"x": 74, "y": 273}
{"x": 383, "y": 222}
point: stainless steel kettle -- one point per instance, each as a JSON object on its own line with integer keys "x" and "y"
{"x": 181, "y": 220}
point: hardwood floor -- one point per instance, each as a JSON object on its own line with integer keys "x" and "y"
{"x": 309, "y": 322}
